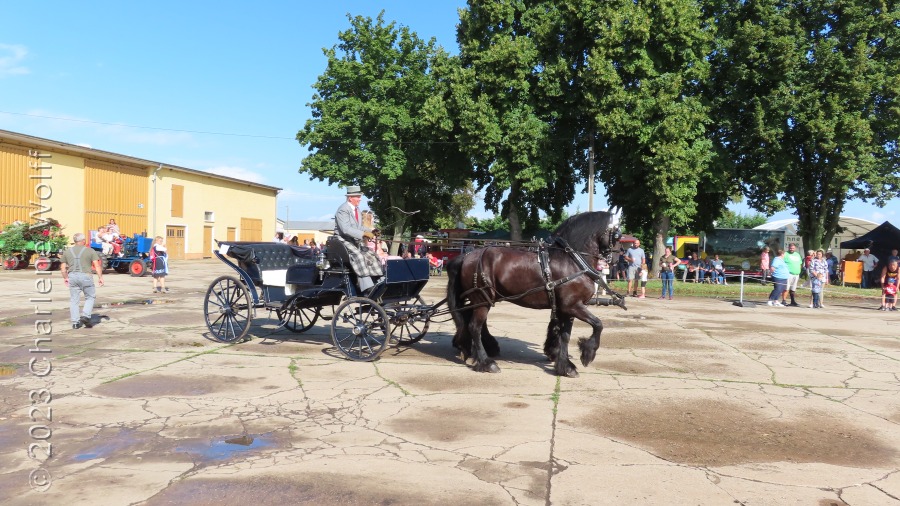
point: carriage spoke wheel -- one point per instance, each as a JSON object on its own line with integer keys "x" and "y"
{"x": 296, "y": 319}
{"x": 360, "y": 329}
{"x": 409, "y": 321}
{"x": 228, "y": 310}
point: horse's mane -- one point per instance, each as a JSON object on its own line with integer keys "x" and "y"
{"x": 581, "y": 230}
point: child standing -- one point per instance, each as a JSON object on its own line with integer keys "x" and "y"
{"x": 890, "y": 278}
{"x": 643, "y": 281}
{"x": 818, "y": 274}
{"x": 159, "y": 266}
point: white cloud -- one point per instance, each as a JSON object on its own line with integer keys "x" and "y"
{"x": 878, "y": 217}
{"x": 11, "y": 57}
{"x": 238, "y": 173}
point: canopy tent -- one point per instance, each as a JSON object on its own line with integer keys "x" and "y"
{"x": 881, "y": 240}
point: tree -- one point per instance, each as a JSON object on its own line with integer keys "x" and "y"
{"x": 805, "y": 93}
{"x": 373, "y": 124}
{"x": 460, "y": 204}
{"x": 644, "y": 63}
{"x": 506, "y": 121}
{"x": 731, "y": 219}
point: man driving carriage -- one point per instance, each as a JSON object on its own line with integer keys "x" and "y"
{"x": 349, "y": 230}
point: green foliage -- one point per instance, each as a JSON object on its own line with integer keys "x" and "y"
{"x": 375, "y": 124}
{"x": 509, "y": 122}
{"x": 42, "y": 235}
{"x": 805, "y": 95}
{"x": 730, "y": 219}
{"x": 461, "y": 203}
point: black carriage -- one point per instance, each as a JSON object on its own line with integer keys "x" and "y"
{"x": 297, "y": 285}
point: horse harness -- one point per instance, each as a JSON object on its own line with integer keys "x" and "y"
{"x": 543, "y": 255}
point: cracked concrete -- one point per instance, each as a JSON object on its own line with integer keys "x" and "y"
{"x": 690, "y": 401}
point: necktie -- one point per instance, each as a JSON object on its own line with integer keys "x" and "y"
{"x": 356, "y": 212}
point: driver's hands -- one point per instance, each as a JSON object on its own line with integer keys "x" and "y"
{"x": 368, "y": 235}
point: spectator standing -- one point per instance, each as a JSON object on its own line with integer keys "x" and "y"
{"x": 621, "y": 267}
{"x": 635, "y": 257}
{"x": 764, "y": 263}
{"x": 869, "y": 262}
{"x": 780, "y": 275}
{"x": 893, "y": 256}
{"x": 832, "y": 262}
{"x": 890, "y": 280}
{"x": 603, "y": 269}
{"x": 75, "y": 268}
{"x": 667, "y": 265}
{"x": 794, "y": 262}
{"x": 818, "y": 277}
{"x": 159, "y": 264}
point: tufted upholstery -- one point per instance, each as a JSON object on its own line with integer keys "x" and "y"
{"x": 274, "y": 257}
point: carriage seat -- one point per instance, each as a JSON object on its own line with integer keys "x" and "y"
{"x": 275, "y": 264}
{"x": 336, "y": 253}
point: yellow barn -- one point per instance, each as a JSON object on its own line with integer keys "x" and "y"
{"x": 83, "y": 188}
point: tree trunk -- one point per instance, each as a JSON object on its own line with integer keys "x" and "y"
{"x": 515, "y": 224}
{"x": 661, "y": 224}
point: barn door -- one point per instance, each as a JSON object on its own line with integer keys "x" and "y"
{"x": 175, "y": 242}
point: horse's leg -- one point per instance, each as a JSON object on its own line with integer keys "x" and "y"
{"x": 589, "y": 345}
{"x": 564, "y": 366}
{"x": 483, "y": 363}
{"x": 489, "y": 342}
{"x": 551, "y": 344}
{"x": 462, "y": 340}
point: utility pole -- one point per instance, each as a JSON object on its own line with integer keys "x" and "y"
{"x": 591, "y": 174}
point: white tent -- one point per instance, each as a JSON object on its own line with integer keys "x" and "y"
{"x": 852, "y": 228}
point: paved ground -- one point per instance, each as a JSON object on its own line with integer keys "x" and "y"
{"x": 689, "y": 402}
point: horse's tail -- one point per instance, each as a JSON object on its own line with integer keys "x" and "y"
{"x": 455, "y": 302}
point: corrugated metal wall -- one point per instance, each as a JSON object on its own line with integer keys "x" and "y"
{"x": 15, "y": 186}
{"x": 115, "y": 191}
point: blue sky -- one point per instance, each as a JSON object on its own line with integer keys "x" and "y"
{"x": 78, "y": 72}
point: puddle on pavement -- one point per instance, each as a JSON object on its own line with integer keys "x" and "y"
{"x": 137, "y": 302}
{"x": 108, "y": 447}
{"x": 225, "y": 449}
{"x": 710, "y": 433}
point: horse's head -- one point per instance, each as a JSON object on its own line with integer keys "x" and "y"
{"x": 596, "y": 233}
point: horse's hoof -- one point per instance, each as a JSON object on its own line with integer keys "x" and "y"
{"x": 490, "y": 367}
{"x": 572, "y": 374}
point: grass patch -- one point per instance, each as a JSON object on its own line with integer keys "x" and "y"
{"x": 6, "y": 323}
{"x": 752, "y": 290}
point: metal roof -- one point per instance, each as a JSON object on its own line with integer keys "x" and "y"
{"x": 30, "y": 140}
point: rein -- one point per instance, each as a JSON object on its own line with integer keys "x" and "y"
{"x": 488, "y": 291}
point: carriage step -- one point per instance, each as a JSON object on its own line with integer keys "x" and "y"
{"x": 327, "y": 318}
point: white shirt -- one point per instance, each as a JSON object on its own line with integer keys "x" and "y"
{"x": 868, "y": 262}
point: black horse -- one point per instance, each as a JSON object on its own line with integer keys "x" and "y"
{"x": 564, "y": 284}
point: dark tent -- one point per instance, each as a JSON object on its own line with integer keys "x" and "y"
{"x": 881, "y": 240}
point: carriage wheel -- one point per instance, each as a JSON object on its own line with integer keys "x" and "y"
{"x": 410, "y": 320}
{"x": 360, "y": 329}
{"x": 137, "y": 268}
{"x": 298, "y": 320}
{"x": 228, "y": 310}
{"x": 42, "y": 263}
{"x": 11, "y": 262}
